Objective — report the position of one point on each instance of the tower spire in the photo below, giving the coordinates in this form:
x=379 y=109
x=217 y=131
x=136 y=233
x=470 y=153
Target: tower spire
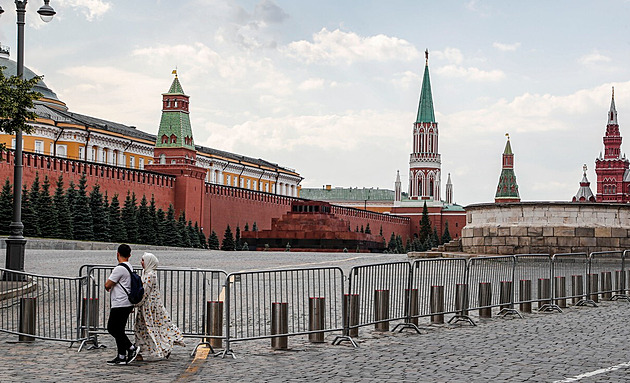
x=584 y=193
x=507 y=190
x=425 y=107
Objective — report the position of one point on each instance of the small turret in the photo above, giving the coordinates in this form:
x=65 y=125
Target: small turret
x=507 y=190
x=584 y=193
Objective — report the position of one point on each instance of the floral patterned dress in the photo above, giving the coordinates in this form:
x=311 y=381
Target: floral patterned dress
x=155 y=333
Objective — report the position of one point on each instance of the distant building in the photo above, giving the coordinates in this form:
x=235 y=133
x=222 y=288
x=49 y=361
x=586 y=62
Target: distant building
x=584 y=193
x=613 y=176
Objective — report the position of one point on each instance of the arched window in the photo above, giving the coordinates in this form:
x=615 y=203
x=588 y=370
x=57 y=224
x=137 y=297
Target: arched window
x=431 y=187
x=173 y=139
x=165 y=139
x=162 y=158
x=419 y=186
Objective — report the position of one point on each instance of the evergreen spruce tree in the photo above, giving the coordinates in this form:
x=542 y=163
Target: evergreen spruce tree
x=194 y=235
x=237 y=240
x=435 y=239
x=202 y=237
x=173 y=236
x=71 y=197
x=213 y=241
x=116 y=230
x=6 y=207
x=33 y=197
x=100 y=215
x=183 y=231
x=130 y=218
x=62 y=210
x=83 y=229
x=362 y=229
x=254 y=227
x=28 y=216
x=160 y=237
x=228 y=240
x=391 y=247
x=154 y=221
x=357 y=229
x=246 y=228
x=381 y=231
x=400 y=248
x=146 y=233
x=367 y=229
x=446 y=236
x=48 y=222
x=425 y=224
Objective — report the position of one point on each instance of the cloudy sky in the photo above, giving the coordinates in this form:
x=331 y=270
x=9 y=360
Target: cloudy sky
x=331 y=87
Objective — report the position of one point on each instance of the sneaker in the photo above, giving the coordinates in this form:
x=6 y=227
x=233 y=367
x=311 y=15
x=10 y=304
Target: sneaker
x=132 y=354
x=117 y=360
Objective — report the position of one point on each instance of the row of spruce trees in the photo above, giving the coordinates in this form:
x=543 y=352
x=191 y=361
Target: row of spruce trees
x=73 y=213
x=425 y=240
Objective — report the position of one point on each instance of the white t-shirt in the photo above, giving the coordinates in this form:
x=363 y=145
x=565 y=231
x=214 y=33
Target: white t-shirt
x=118 y=296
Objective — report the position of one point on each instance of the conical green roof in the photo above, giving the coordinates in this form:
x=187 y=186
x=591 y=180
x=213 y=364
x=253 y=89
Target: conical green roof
x=508 y=148
x=507 y=187
x=176 y=87
x=425 y=109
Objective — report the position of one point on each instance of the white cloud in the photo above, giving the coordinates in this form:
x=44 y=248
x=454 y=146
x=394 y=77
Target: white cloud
x=470 y=74
x=90 y=8
x=506 y=47
x=312 y=84
x=406 y=79
x=348 y=47
x=451 y=55
x=594 y=58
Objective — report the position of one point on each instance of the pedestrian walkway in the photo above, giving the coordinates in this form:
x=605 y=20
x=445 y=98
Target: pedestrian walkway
x=582 y=344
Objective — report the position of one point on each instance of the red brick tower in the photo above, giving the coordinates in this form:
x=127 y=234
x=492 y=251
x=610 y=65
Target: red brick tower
x=175 y=154
x=507 y=190
x=612 y=169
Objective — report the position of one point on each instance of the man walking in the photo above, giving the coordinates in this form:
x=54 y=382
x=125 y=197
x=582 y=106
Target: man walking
x=118 y=284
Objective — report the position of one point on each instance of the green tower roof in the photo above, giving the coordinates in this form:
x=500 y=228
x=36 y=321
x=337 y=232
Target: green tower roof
x=507 y=187
x=425 y=109
x=508 y=147
x=176 y=87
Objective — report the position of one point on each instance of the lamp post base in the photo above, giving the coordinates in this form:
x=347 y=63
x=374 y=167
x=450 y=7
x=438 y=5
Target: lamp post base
x=15 y=259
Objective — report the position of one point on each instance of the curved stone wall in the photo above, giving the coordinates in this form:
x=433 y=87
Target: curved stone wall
x=545 y=227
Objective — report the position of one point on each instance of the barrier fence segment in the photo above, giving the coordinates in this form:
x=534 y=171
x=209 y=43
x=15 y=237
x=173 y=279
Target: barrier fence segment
x=37 y=306
x=609 y=266
x=250 y=297
x=185 y=293
x=370 y=283
x=427 y=274
x=573 y=268
x=534 y=282
x=487 y=277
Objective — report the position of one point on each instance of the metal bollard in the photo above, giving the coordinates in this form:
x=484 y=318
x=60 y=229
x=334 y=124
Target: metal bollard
x=485 y=299
x=593 y=285
x=437 y=304
x=525 y=295
x=214 y=323
x=544 y=292
x=561 y=291
x=577 y=288
x=606 y=285
x=316 y=316
x=28 y=316
x=412 y=305
x=461 y=299
x=351 y=305
x=280 y=325
x=620 y=282
x=381 y=310
x=93 y=314
x=505 y=294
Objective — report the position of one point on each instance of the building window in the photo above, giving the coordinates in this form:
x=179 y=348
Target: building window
x=173 y=139
x=141 y=163
x=39 y=147
x=82 y=152
x=114 y=158
x=165 y=139
x=229 y=180
x=93 y=156
x=132 y=162
x=62 y=151
x=163 y=158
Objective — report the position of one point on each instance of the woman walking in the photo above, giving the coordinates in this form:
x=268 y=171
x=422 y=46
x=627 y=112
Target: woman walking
x=155 y=333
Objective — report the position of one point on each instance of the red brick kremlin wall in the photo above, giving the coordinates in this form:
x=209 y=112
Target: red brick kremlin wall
x=214 y=206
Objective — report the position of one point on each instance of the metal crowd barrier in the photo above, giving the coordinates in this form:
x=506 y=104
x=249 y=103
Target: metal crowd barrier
x=185 y=293
x=36 y=306
x=491 y=283
x=276 y=304
x=574 y=269
x=533 y=282
x=607 y=266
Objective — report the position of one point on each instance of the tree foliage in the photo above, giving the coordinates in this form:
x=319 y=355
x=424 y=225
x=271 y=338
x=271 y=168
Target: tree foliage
x=16 y=104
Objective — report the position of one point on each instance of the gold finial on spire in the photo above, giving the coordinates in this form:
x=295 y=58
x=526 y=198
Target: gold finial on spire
x=174 y=72
x=426 y=55
x=507 y=135
x=584 y=168
x=613 y=93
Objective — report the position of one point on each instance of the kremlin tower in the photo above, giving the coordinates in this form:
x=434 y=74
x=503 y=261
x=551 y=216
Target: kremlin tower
x=507 y=190
x=584 y=193
x=613 y=177
x=425 y=162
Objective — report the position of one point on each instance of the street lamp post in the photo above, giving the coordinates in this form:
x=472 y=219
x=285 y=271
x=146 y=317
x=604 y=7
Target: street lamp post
x=16 y=242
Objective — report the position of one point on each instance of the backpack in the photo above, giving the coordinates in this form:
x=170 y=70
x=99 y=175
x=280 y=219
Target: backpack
x=137 y=290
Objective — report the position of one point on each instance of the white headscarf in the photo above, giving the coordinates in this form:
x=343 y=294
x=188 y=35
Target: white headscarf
x=150 y=262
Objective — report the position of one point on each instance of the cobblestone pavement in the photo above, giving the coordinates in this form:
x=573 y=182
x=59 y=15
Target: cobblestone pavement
x=539 y=348
x=581 y=344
